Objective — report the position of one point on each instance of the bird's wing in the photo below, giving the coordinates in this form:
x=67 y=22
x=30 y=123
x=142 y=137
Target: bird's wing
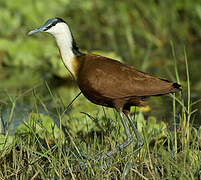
x=113 y=79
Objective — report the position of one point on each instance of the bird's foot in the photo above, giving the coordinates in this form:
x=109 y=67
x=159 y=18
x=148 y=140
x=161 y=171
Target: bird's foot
x=105 y=160
x=139 y=144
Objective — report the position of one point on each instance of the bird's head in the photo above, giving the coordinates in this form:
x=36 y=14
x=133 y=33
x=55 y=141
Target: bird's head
x=53 y=26
x=64 y=39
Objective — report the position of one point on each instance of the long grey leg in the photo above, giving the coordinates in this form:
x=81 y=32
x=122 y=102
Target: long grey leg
x=126 y=142
x=2 y=125
x=139 y=144
x=140 y=141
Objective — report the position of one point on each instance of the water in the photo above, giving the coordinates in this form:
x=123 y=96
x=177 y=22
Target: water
x=24 y=91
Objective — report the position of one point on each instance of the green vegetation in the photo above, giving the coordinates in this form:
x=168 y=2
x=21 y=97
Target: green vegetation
x=51 y=140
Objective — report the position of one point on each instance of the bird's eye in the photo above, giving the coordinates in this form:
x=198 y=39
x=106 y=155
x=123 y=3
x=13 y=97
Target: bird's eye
x=54 y=23
x=51 y=25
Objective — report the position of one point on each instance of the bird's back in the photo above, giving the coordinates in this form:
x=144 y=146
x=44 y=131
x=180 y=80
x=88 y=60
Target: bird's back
x=110 y=78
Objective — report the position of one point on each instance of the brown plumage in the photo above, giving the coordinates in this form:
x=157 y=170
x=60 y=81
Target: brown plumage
x=105 y=81
x=110 y=83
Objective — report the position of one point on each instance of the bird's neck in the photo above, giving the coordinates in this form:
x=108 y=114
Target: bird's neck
x=69 y=52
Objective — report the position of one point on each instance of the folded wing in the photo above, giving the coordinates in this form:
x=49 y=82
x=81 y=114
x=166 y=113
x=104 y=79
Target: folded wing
x=113 y=79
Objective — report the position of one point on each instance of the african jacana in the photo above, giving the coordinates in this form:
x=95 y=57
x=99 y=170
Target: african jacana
x=105 y=81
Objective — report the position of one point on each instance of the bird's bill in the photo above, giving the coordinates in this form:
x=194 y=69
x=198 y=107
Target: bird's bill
x=37 y=30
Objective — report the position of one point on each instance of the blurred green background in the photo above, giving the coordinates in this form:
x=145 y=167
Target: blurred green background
x=35 y=90
x=146 y=34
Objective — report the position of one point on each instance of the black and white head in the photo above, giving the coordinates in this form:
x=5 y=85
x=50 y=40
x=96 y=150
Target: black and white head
x=65 y=41
x=53 y=26
x=60 y=30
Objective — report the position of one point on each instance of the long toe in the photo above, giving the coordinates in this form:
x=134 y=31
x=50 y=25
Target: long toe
x=140 y=143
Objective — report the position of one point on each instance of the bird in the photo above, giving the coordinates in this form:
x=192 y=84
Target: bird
x=107 y=82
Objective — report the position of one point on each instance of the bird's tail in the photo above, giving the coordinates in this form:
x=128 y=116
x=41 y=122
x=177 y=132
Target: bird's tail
x=176 y=87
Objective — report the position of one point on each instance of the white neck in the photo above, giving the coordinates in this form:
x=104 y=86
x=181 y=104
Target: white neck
x=66 y=52
x=64 y=40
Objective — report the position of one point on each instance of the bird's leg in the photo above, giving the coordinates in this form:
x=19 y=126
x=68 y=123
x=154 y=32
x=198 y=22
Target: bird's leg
x=128 y=140
x=2 y=124
x=139 y=144
x=120 y=147
x=140 y=141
